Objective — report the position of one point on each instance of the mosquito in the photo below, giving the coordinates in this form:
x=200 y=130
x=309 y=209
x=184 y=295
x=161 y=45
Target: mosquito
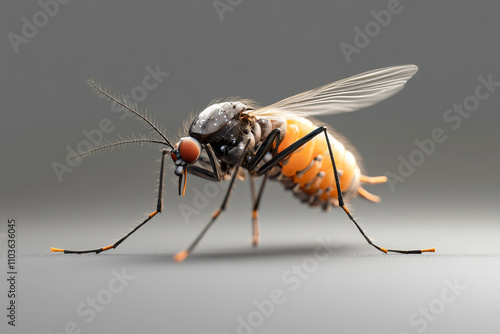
x=282 y=142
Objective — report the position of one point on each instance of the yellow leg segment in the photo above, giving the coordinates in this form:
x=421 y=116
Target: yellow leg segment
x=369 y=196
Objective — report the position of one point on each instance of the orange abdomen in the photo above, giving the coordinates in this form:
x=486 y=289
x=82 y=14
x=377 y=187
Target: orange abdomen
x=310 y=166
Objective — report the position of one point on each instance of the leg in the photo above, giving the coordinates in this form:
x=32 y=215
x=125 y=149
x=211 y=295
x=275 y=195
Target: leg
x=255 y=222
x=181 y=256
x=158 y=209
x=273 y=137
x=203 y=173
x=215 y=164
x=255 y=208
x=286 y=152
x=289 y=150
x=213 y=174
x=341 y=204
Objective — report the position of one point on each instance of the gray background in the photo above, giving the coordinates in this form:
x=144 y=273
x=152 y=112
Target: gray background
x=266 y=51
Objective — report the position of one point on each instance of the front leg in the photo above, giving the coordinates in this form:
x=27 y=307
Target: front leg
x=159 y=206
x=181 y=256
x=215 y=174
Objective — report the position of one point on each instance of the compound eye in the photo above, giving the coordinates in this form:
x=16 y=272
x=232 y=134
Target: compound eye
x=189 y=149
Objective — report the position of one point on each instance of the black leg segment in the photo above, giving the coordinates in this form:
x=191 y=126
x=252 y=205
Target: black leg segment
x=181 y=256
x=290 y=149
x=148 y=218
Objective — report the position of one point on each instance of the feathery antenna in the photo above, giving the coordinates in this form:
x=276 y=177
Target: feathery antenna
x=106 y=93
x=114 y=144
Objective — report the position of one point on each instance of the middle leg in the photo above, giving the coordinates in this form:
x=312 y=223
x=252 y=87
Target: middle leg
x=255 y=209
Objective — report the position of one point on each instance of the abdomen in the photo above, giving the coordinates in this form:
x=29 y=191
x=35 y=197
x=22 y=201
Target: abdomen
x=308 y=172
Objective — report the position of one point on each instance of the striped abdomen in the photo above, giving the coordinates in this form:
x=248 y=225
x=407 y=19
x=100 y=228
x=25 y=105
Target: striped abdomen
x=308 y=172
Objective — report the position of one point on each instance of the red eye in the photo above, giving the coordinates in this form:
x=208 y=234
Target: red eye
x=190 y=150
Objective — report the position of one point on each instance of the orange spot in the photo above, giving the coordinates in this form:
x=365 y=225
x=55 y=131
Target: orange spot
x=347 y=211
x=107 y=247
x=152 y=214
x=181 y=256
x=383 y=250
x=216 y=213
x=430 y=250
x=185 y=182
x=52 y=249
x=255 y=214
x=189 y=150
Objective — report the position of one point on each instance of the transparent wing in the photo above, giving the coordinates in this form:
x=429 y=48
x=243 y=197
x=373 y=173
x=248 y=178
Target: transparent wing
x=345 y=95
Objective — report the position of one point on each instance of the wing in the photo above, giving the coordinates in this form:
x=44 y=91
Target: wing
x=345 y=95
